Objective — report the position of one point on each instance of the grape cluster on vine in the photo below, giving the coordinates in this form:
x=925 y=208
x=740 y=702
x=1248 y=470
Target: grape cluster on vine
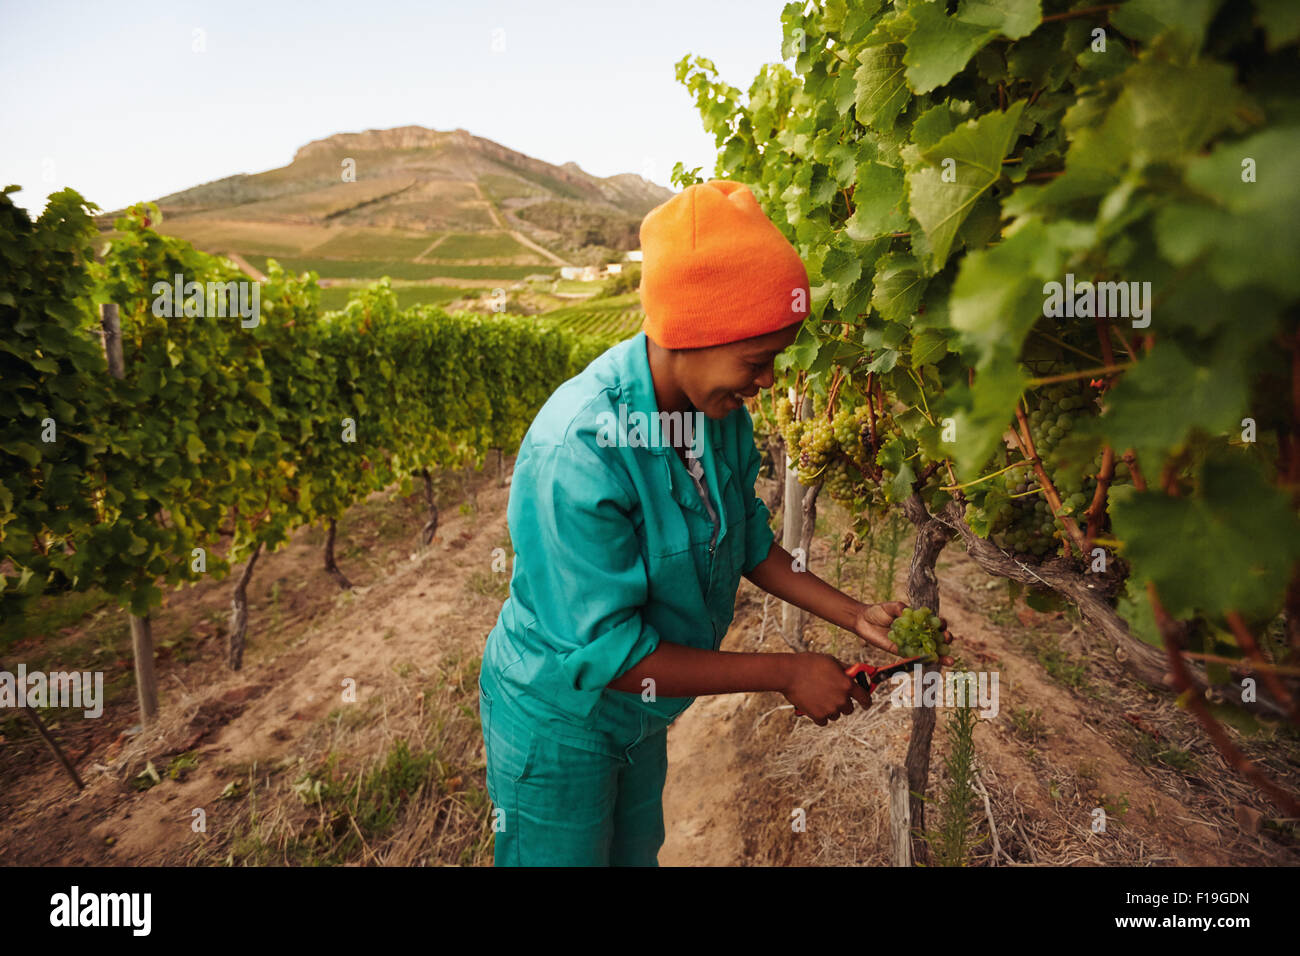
x=836 y=452
x=1022 y=521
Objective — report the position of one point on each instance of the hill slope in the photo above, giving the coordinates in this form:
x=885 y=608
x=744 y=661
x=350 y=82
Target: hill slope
x=415 y=195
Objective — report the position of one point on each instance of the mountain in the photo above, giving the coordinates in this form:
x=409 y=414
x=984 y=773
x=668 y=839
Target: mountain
x=417 y=196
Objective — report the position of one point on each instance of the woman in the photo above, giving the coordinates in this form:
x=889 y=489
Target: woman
x=628 y=556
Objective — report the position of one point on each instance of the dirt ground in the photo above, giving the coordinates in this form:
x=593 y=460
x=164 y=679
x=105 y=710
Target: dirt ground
x=748 y=783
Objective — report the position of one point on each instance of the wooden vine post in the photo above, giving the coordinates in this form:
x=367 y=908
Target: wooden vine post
x=239 y=613
x=796 y=532
x=431 y=526
x=141 y=630
x=331 y=566
x=900 y=818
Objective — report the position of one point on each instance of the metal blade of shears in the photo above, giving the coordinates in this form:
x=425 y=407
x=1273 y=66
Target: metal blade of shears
x=868 y=676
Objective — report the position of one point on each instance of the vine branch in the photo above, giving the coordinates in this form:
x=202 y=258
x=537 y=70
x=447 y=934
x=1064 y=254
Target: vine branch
x=1284 y=800
x=1026 y=442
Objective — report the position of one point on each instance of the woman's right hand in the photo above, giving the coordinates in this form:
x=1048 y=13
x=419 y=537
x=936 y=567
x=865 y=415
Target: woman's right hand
x=817 y=685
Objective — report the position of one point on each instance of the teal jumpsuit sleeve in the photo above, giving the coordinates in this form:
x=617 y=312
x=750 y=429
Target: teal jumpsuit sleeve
x=585 y=577
x=758 y=528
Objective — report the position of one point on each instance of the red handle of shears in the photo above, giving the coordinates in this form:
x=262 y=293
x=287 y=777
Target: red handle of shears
x=868 y=676
x=862 y=673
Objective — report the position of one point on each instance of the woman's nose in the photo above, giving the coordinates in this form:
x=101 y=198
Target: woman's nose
x=767 y=378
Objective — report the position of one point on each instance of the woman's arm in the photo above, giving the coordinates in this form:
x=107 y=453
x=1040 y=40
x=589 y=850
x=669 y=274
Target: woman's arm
x=815 y=683
x=775 y=574
x=681 y=671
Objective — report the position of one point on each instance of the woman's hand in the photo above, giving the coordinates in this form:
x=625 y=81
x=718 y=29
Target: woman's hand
x=817 y=685
x=874 y=620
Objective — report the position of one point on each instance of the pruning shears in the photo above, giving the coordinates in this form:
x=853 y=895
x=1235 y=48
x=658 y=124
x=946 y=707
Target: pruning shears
x=869 y=677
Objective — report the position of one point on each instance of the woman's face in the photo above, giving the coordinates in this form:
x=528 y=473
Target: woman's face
x=718 y=379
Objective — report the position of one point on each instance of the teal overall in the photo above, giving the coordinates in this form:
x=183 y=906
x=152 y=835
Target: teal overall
x=614 y=551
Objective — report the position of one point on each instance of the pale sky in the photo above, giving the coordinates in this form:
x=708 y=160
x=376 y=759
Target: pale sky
x=113 y=99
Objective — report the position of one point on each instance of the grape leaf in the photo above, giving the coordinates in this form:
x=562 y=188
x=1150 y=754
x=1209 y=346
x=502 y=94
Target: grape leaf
x=1155 y=406
x=934 y=124
x=983 y=419
x=940 y=46
x=929 y=347
x=1012 y=18
x=802 y=352
x=1280 y=20
x=1167 y=112
x=1135 y=608
x=899 y=286
x=998 y=294
x=976 y=149
x=1243 y=539
x=842 y=267
x=1248 y=231
x=881 y=92
x=1037 y=58
x=881 y=202
x=1144 y=20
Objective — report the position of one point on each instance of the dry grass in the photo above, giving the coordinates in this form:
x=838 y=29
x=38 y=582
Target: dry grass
x=398 y=784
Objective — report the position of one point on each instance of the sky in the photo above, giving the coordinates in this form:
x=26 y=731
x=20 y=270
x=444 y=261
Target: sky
x=128 y=101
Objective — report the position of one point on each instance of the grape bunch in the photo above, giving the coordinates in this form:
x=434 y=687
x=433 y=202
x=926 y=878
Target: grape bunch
x=835 y=451
x=1023 y=522
x=816 y=448
x=852 y=433
x=916 y=633
x=844 y=483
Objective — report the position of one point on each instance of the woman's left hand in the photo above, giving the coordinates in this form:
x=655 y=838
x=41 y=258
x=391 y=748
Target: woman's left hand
x=874 y=620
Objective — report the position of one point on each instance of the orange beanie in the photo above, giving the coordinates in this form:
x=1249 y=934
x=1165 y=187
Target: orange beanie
x=715 y=269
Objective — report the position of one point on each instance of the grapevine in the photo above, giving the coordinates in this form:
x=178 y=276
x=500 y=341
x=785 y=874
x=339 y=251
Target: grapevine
x=945 y=172
x=218 y=430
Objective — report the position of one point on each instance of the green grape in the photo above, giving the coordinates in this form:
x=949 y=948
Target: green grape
x=916 y=633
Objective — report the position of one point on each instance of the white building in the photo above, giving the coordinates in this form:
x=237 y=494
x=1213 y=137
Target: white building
x=580 y=273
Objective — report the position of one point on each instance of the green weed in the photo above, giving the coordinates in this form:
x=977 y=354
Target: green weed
x=950 y=842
